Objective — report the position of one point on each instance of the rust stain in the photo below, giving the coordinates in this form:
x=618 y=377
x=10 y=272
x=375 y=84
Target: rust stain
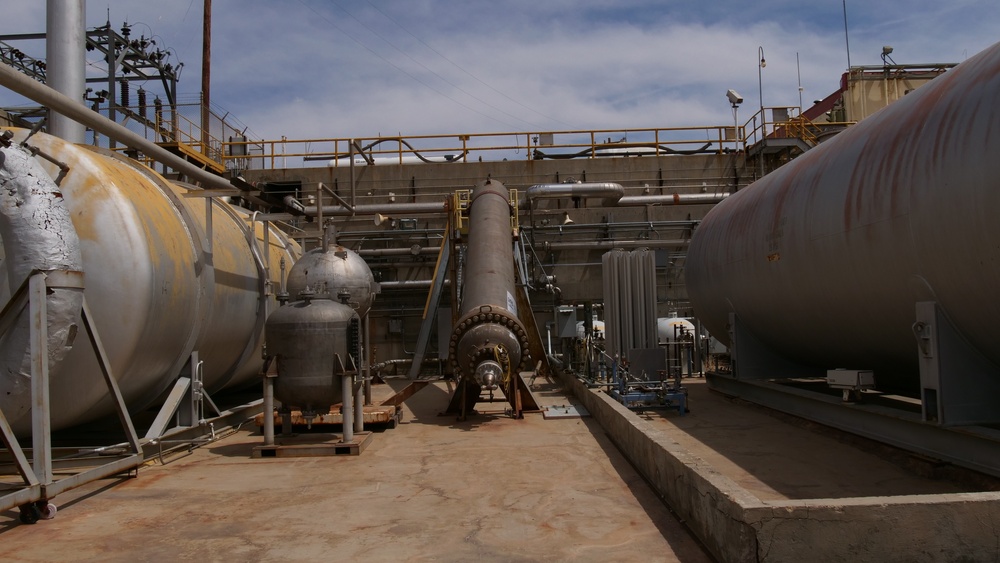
x=144 y=482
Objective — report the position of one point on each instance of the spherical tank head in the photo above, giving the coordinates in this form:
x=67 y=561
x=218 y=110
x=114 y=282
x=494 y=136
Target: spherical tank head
x=670 y=328
x=336 y=272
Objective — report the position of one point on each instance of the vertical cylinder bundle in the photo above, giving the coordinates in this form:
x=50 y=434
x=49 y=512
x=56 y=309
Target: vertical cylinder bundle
x=629 y=300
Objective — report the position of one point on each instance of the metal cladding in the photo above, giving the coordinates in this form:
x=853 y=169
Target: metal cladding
x=824 y=260
x=307 y=337
x=488 y=330
x=33 y=213
x=158 y=287
x=629 y=300
x=336 y=273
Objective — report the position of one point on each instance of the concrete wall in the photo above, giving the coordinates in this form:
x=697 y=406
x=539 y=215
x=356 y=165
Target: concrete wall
x=735 y=526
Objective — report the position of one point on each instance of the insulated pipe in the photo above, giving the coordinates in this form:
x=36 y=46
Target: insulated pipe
x=46 y=96
x=36 y=224
x=65 y=41
x=672 y=199
x=488 y=331
x=608 y=190
x=615 y=193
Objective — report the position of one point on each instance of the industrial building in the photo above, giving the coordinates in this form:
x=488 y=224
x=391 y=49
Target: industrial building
x=829 y=264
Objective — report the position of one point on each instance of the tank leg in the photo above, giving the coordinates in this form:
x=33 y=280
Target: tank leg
x=462 y=413
x=286 y=422
x=269 y=411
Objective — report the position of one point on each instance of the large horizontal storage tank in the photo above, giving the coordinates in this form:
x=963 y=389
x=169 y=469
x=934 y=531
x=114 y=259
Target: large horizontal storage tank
x=159 y=287
x=824 y=260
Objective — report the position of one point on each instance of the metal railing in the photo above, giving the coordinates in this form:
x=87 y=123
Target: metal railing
x=785 y=122
x=479 y=147
x=227 y=145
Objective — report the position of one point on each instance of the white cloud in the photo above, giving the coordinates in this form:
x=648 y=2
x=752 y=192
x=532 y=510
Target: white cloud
x=310 y=68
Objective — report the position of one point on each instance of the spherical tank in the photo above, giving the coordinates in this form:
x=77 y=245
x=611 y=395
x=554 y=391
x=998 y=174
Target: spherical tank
x=304 y=336
x=158 y=287
x=334 y=273
x=824 y=259
x=670 y=329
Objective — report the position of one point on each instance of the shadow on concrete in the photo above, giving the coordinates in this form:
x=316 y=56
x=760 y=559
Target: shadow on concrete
x=62 y=502
x=427 y=406
x=776 y=456
x=663 y=517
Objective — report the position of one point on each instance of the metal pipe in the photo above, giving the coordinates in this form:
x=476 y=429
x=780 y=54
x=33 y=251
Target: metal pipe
x=672 y=199
x=46 y=96
x=608 y=190
x=409 y=284
x=608 y=244
x=412 y=251
x=617 y=225
x=65 y=41
x=393 y=209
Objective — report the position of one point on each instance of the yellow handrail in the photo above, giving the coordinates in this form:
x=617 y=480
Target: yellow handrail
x=466 y=147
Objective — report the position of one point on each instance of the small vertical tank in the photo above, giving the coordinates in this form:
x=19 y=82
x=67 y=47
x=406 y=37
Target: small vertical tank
x=314 y=340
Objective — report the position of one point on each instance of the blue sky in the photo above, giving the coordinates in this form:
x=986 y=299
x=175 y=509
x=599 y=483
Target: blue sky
x=324 y=68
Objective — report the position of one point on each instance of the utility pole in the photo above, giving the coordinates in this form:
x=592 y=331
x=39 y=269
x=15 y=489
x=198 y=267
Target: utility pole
x=206 y=75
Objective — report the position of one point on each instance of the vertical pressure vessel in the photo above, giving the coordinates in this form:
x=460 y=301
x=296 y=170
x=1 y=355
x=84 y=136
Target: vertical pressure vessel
x=489 y=333
x=824 y=259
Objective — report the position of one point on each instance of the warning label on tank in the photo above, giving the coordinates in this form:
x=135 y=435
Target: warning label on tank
x=511 y=304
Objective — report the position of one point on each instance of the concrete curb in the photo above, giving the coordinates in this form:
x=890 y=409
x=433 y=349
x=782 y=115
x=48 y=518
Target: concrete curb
x=736 y=526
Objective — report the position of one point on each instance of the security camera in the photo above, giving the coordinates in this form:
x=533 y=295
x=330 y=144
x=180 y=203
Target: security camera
x=734 y=98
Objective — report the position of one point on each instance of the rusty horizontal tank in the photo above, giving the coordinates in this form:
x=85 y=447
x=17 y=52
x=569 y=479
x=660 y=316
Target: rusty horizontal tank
x=159 y=287
x=824 y=260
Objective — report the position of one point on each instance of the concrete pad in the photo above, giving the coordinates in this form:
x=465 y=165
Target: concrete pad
x=488 y=489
